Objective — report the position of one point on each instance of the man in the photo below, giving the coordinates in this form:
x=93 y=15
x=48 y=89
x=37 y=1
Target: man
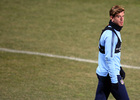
x=109 y=71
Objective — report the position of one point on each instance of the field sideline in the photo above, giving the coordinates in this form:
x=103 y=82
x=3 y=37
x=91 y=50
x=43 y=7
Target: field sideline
x=60 y=56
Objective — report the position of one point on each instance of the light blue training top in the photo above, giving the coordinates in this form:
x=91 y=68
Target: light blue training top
x=109 y=63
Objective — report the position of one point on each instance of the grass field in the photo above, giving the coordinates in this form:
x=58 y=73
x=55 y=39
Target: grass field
x=62 y=27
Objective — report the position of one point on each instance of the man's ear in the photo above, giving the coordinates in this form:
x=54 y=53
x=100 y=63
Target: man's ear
x=111 y=18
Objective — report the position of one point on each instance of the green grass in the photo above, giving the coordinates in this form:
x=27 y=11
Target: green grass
x=62 y=27
x=27 y=77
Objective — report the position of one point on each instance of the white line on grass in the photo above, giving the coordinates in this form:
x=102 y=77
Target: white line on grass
x=58 y=56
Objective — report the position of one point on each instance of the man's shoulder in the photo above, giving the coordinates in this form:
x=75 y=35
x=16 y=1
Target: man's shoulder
x=107 y=33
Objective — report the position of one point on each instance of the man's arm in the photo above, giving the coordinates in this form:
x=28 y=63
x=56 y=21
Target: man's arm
x=109 y=55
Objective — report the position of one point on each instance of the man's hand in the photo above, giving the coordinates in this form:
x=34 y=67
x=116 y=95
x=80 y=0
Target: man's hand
x=122 y=73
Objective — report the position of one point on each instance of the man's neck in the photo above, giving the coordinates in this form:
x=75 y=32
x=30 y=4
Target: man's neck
x=115 y=26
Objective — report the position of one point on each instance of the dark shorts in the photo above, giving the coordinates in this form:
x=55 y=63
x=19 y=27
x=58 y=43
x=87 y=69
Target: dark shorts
x=104 y=89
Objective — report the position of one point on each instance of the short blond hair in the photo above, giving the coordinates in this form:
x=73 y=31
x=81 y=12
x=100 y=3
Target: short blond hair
x=115 y=10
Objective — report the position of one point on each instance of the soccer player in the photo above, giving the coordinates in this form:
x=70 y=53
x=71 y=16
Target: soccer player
x=109 y=71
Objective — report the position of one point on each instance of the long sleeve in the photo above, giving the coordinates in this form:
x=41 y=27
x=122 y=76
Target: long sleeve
x=109 y=55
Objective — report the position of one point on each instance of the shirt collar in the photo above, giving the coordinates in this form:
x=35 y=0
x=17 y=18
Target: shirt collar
x=115 y=26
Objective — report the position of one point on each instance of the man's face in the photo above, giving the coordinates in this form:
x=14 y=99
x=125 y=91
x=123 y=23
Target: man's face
x=118 y=19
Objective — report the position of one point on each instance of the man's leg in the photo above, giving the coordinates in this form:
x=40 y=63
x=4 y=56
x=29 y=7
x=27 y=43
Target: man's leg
x=103 y=89
x=121 y=93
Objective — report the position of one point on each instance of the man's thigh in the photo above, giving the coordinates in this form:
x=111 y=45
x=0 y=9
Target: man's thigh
x=103 y=88
x=121 y=93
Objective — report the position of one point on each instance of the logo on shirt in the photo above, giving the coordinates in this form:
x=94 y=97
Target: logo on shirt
x=118 y=49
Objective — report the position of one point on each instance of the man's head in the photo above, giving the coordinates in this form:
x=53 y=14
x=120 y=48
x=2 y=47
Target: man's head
x=117 y=15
